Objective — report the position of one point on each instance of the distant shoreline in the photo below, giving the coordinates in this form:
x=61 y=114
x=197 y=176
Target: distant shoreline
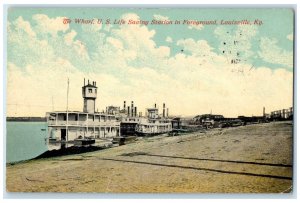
x=26 y=119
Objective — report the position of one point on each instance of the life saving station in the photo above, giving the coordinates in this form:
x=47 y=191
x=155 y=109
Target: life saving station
x=68 y=126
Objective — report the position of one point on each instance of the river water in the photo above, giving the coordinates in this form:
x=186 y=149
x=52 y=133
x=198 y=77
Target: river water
x=25 y=140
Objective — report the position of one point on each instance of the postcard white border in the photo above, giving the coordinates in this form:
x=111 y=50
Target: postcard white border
x=156 y=4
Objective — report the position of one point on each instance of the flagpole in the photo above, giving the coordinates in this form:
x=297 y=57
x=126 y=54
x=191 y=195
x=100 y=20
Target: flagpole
x=67 y=131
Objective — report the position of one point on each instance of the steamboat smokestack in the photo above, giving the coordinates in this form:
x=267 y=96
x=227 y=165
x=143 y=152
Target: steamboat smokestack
x=132 y=109
x=164 y=113
x=135 y=109
x=128 y=110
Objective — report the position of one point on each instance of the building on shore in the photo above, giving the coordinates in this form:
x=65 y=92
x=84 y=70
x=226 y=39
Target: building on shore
x=283 y=114
x=65 y=126
x=207 y=118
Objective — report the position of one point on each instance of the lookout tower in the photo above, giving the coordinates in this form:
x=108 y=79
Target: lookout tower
x=89 y=94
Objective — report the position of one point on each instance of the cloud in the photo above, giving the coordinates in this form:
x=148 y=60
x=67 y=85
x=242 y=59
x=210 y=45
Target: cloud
x=77 y=45
x=69 y=37
x=128 y=65
x=50 y=25
x=95 y=27
x=130 y=16
x=27 y=49
x=290 y=37
x=194 y=26
x=23 y=46
x=272 y=53
x=236 y=44
x=169 y=39
x=39 y=85
x=160 y=17
x=22 y=25
x=199 y=48
x=215 y=86
x=139 y=40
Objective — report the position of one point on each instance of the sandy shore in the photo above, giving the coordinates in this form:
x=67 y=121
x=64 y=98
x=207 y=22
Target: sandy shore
x=248 y=159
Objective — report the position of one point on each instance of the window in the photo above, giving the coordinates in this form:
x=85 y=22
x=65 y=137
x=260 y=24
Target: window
x=65 y=117
x=76 y=117
x=90 y=90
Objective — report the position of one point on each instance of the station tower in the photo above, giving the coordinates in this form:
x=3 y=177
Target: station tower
x=89 y=94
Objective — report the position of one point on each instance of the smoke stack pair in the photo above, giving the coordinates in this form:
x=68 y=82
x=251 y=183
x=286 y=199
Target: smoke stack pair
x=94 y=82
x=132 y=109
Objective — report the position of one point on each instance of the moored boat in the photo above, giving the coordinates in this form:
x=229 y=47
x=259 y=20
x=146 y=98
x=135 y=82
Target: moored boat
x=154 y=124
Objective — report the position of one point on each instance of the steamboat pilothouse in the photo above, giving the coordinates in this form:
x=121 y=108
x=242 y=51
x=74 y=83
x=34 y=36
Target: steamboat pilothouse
x=153 y=124
x=69 y=126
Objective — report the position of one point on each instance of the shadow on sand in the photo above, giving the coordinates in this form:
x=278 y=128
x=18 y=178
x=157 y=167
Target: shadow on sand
x=201 y=168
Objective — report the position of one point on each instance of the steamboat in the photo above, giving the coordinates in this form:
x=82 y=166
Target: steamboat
x=85 y=126
x=153 y=124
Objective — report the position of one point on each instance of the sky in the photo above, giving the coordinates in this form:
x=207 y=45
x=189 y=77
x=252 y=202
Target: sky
x=195 y=69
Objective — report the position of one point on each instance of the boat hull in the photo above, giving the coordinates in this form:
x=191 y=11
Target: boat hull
x=143 y=134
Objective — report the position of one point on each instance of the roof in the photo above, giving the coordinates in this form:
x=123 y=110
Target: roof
x=89 y=85
x=208 y=115
x=79 y=112
x=152 y=109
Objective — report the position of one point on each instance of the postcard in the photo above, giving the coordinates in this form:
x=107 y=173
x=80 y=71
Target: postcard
x=149 y=100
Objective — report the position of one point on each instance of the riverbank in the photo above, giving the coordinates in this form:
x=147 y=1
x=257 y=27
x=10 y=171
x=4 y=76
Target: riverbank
x=247 y=159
